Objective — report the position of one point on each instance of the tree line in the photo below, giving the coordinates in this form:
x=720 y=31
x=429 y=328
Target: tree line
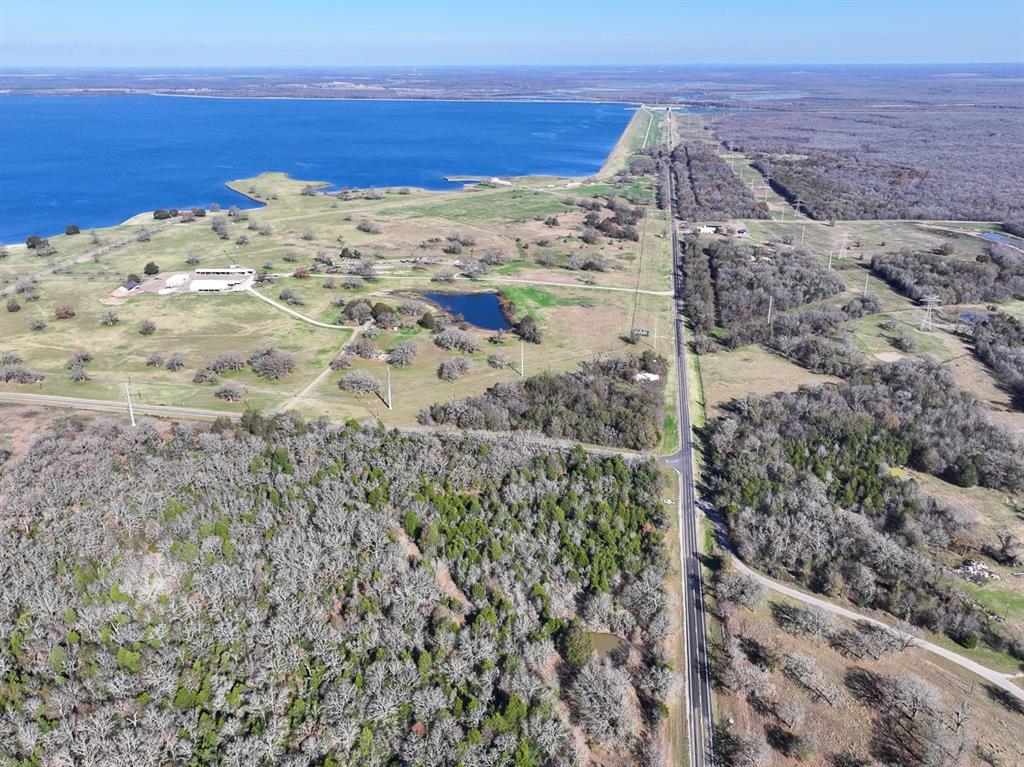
x=707 y=189
x=999 y=343
x=996 y=275
x=600 y=404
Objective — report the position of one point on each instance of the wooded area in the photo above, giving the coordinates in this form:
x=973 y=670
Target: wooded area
x=707 y=189
x=997 y=275
x=314 y=594
x=599 y=404
x=924 y=162
x=809 y=487
x=999 y=343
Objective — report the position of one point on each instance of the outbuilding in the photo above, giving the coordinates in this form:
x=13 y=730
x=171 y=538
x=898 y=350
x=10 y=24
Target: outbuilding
x=645 y=376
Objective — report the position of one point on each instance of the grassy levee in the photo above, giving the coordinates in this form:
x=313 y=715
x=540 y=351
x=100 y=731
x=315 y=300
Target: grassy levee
x=636 y=136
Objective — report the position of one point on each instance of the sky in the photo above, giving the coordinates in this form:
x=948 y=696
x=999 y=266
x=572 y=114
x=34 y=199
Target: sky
x=290 y=33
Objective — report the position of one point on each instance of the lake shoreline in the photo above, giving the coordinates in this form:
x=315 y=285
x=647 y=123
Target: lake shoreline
x=349 y=142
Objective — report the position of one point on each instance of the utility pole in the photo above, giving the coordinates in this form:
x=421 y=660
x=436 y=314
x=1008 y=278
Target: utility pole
x=131 y=410
x=655 y=332
x=930 y=302
x=866 y=284
x=830 y=259
x=802 y=230
x=389 y=387
x=771 y=303
x=522 y=359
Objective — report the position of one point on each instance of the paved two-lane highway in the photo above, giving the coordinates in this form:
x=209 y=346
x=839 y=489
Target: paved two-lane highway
x=699 y=718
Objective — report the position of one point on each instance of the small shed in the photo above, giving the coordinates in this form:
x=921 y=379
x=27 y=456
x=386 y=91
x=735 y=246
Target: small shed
x=645 y=376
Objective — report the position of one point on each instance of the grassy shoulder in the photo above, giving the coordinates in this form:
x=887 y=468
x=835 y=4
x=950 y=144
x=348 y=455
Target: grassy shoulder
x=677 y=704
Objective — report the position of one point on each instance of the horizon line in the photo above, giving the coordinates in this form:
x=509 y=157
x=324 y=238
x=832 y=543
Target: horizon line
x=289 y=67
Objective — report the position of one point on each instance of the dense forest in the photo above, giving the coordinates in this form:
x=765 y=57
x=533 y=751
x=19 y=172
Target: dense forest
x=832 y=187
x=730 y=285
x=746 y=278
x=996 y=275
x=311 y=594
x=697 y=286
x=806 y=483
x=925 y=162
x=707 y=189
x=599 y=404
x=999 y=343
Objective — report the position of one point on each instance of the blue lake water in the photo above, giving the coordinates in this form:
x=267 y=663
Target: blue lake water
x=480 y=309
x=95 y=161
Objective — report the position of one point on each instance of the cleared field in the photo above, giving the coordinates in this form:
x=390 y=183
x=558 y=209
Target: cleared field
x=197 y=327
x=994 y=513
x=749 y=370
x=859 y=240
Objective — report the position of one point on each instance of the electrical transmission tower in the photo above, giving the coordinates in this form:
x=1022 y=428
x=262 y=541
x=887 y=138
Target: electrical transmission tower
x=930 y=302
x=842 y=246
x=131 y=409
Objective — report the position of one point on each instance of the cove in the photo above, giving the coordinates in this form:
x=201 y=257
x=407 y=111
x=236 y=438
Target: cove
x=96 y=161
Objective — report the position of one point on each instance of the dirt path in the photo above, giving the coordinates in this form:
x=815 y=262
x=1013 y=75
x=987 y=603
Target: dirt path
x=289 y=404
x=112 y=406
x=292 y=312
x=1001 y=680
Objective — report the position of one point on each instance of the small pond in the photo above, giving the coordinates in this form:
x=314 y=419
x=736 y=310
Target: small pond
x=605 y=643
x=480 y=309
x=1001 y=238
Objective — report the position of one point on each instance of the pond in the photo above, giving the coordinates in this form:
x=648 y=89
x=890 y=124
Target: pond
x=605 y=643
x=1003 y=239
x=480 y=309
